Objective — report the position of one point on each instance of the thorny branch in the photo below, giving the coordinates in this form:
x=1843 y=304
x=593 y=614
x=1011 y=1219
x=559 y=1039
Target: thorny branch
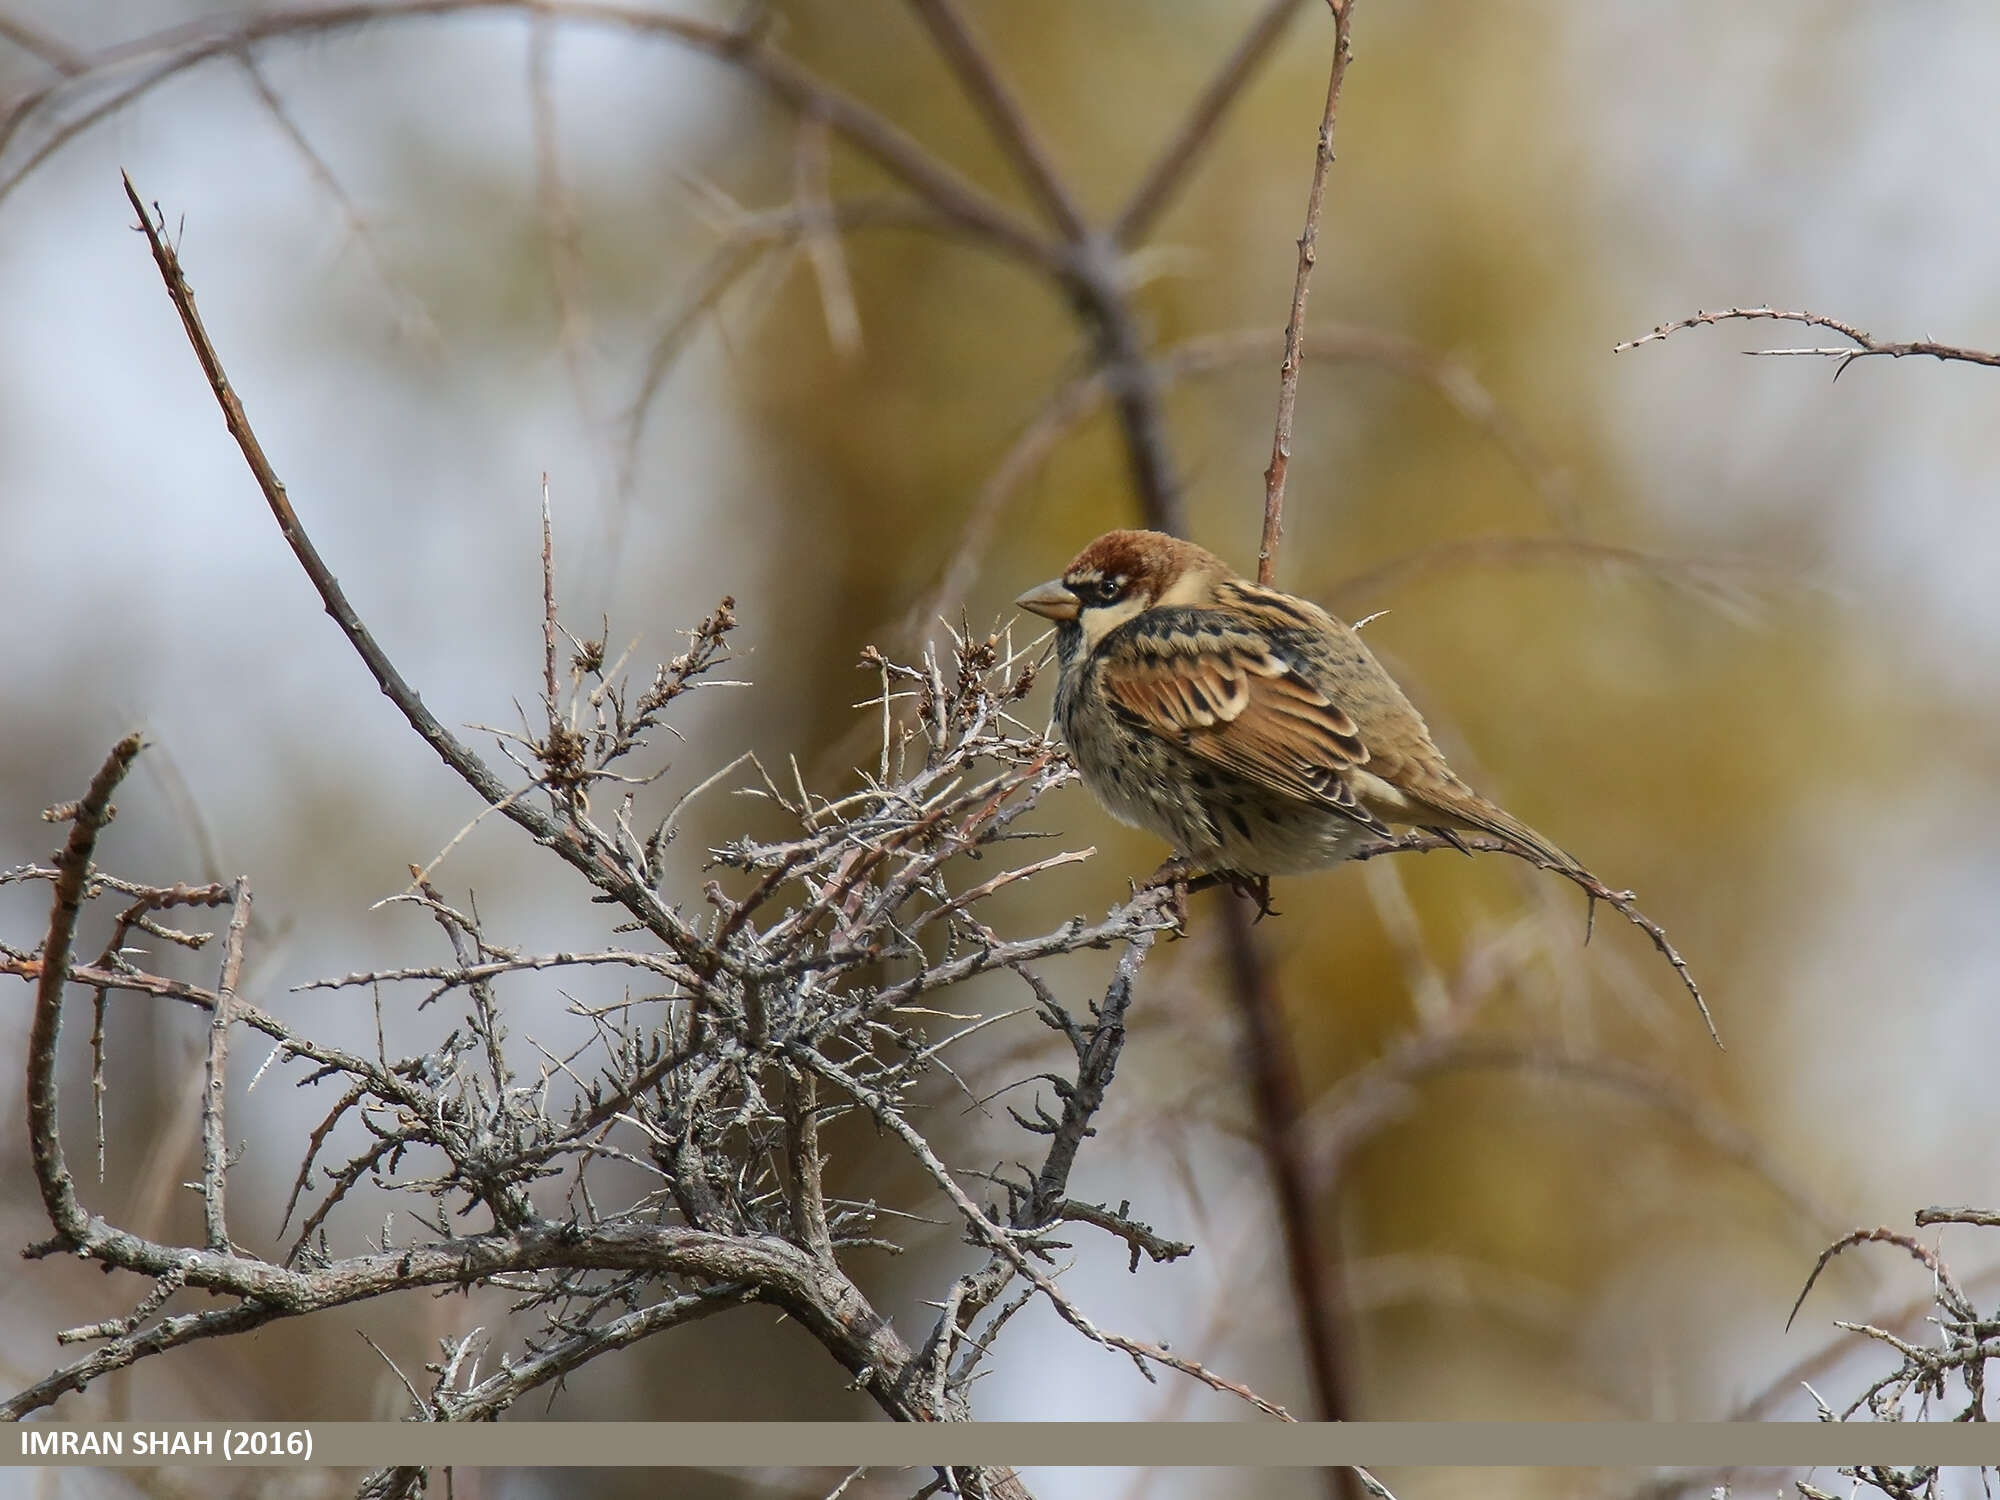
x=825 y=964
x=1949 y=1368
x=822 y=967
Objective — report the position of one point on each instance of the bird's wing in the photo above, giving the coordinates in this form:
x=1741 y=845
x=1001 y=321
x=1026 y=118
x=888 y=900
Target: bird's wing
x=1402 y=760
x=1214 y=683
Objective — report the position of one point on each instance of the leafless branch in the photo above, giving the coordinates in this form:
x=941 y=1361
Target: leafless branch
x=30 y=38
x=718 y=1097
x=811 y=191
x=1958 y=1356
x=1760 y=1407
x=620 y=883
x=1277 y=1093
x=974 y=66
x=1175 y=163
x=174 y=49
x=561 y=238
x=412 y=317
x=1206 y=355
x=1950 y=1295
x=1985 y=1218
x=1621 y=902
x=798 y=990
x=214 y=1137
x=1376 y=1095
x=708 y=1086
x=87 y=819
x=1864 y=344
x=1736 y=588
x=1295 y=325
x=1278 y=1098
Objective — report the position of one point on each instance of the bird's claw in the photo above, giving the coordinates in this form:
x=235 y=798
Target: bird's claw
x=1258 y=889
x=1178 y=878
x=1172 y=876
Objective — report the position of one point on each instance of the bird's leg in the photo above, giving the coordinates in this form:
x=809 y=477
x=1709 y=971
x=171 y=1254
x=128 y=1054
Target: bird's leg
x=1175 y=874
x=1178 y=874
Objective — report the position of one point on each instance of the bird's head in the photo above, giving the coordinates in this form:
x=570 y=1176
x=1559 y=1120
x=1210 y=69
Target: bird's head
x=1119 y=575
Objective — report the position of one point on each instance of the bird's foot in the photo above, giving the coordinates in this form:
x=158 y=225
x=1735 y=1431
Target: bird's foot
x=1258 y=889
x=1174 y=876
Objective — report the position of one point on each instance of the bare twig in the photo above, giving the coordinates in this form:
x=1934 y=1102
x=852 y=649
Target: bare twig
x=1295 y=326
x=977 y=72
x=214 y=1138
x=175 y=49
x=1371 y=1098
x=743 y=243
x=1277 y=1092
x=1621 y=902
x=1915 y=1249
x=454 y=754
x=1139 y=1237
x=602 y=871
x=412 y=317
x=1210 y=354
x=1278 y=1097
x=1733 y=587
x=1175 y=163
x=771 y=988
x=87 y=820
x=549 y=626
x=30 y=38
x=1759 y=1407
x=1865 y=344
x=561 y=239
x=820 y=226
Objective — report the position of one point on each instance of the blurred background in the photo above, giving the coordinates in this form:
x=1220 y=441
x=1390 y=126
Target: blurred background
x=1722 y=626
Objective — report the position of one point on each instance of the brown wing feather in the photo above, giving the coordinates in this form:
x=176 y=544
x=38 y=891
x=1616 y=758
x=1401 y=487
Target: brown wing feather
x=1209 y=677
x=1401 y=752
x=1228 y=698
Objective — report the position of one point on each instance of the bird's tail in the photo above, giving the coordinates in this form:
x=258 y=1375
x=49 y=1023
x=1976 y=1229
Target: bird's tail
x=1465 y=808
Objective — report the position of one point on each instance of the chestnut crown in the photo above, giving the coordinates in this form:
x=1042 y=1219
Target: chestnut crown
x=1137 y=564
x=1123 y=572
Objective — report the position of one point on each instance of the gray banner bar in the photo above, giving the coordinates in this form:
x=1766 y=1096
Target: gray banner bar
x=1060 y=1444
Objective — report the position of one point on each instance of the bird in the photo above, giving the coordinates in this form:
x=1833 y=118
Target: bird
x=1246 y=726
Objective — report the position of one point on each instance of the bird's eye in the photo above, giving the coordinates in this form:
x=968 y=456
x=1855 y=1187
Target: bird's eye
x=1108 y=589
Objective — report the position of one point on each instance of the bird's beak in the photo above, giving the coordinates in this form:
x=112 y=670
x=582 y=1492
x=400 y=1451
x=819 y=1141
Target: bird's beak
x=1051 y=601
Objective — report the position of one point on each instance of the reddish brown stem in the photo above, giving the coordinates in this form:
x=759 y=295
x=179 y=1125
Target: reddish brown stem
x=1279 y=1100
x=1295 y=328
x=1279 y=1095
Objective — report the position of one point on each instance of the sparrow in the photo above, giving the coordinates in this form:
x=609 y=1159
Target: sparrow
x=1248 y=727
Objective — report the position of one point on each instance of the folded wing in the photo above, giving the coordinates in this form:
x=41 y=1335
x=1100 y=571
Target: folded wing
x=1220 y=690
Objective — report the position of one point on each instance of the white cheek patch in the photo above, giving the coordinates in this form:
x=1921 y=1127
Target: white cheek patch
x=1193 y=587
x=1100 y=620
